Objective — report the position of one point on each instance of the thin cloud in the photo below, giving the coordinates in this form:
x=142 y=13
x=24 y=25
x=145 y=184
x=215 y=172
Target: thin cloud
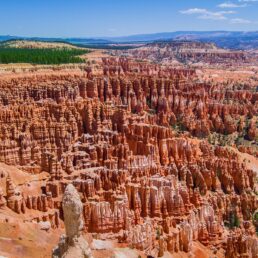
x=194 y=11
x=212 y=17
x=247 y=1
x=206 y=14
x=240 y=21
x=231 y=5
x=227 y=12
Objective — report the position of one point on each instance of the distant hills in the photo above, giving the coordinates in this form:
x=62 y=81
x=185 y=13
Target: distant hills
x=224 y=39
x=69 y=40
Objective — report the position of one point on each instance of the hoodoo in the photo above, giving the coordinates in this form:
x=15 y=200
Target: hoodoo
x=134 y=149
x=72 y=244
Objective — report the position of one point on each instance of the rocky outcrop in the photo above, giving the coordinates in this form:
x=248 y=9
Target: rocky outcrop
x=72 y=244
x=2 y=199
x=187 y=52
x=124 y=141
x=241 y=245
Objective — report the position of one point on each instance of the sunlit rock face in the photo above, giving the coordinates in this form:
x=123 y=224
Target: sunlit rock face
x=123 y=161
x=72 y=244
x=194 y=53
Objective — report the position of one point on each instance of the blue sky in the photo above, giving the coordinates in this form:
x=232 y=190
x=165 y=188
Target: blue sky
x=89 y=18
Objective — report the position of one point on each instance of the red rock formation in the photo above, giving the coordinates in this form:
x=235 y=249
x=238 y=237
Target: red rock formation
x=112 y=137
x=188 y=52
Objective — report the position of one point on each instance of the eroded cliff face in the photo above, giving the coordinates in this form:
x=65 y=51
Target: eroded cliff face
x=194 y=53
x=140 y=181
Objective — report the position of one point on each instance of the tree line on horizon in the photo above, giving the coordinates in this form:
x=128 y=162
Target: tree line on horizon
x=41 y=56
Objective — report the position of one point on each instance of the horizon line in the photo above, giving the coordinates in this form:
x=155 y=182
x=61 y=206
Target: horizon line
x=128 y=35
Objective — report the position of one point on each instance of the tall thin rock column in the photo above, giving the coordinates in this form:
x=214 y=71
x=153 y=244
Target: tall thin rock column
x=73 y=243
